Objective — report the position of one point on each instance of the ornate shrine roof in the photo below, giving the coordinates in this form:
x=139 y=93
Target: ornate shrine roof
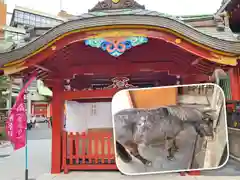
x=129 y=12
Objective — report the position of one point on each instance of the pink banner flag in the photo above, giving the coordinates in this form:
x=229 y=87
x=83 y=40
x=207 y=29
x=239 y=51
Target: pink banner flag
x=16 y=124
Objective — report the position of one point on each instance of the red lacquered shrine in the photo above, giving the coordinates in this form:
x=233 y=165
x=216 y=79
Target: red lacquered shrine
x=119 y=43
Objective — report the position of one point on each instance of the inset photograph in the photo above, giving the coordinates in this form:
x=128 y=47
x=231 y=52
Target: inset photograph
x=170 y=129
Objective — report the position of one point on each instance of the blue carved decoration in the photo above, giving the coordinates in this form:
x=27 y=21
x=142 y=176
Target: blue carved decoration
x=116 y=47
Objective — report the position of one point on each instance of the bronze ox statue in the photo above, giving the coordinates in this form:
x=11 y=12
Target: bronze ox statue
x=146 y=126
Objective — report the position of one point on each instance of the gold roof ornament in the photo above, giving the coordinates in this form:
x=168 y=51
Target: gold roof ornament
x=115 y=1
x=116 y=4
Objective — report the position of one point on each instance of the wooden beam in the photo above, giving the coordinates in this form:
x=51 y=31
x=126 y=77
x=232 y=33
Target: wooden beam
x=197 y=61
x=90 y=94
x=42 y=68
x=121 y=69
x=203 y=70
x=193 y=79
x=43 y=75
x=53 y=82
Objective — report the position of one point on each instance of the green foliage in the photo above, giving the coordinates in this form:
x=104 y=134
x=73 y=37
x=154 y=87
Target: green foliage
x=3 y=134
x=4 y=86
x=4 y=81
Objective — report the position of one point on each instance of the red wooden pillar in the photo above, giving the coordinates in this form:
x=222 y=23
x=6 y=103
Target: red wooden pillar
x=57 y=126
x=235 y=83
x=50 y=109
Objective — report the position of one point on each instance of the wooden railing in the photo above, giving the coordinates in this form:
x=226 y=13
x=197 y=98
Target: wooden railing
x=92 y=151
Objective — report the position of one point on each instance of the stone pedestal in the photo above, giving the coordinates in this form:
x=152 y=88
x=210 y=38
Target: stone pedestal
x=234 y=143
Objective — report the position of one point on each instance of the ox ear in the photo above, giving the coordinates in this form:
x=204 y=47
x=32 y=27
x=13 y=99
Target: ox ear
x=165 y=111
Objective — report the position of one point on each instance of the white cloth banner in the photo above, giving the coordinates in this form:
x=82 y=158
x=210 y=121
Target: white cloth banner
x=83 y=116
x=121 y=101
x=75 y=117
x=99 y=115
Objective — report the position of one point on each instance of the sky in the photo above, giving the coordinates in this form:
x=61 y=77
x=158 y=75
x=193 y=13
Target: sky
x=76 y=7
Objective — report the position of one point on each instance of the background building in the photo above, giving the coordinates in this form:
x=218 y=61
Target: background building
x=25 y=25
x=3 y=12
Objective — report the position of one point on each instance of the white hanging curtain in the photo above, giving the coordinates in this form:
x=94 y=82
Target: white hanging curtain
x=76 y=120
x=83 y=116
x=99 y=115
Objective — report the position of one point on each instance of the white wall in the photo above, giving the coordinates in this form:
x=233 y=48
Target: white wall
x=81 y=116
x=75 y=117
x=102 y=116
x=120 y=101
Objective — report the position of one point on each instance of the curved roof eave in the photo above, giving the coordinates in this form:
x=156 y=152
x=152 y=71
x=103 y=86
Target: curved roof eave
x=223 y=6
x=162 y=21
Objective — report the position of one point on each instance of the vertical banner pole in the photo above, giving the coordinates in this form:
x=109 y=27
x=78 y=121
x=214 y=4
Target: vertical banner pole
x=26 y=158
x=26 y=146
x=16 y=124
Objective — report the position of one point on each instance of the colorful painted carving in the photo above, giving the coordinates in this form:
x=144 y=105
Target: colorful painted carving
x=120 y=83
x=116 y=47
x=117 y=83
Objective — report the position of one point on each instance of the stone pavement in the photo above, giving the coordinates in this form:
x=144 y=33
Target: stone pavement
x=42 y=132
x=232 y=168
x=39 y=145
x=119 y=176
x=39 y=157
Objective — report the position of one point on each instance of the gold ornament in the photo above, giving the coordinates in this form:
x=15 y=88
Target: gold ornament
x=115 y=1
x=53 y=48
x=178 y=41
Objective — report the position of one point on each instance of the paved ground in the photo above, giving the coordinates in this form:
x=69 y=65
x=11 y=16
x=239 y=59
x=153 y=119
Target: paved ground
x=118 y=176
x=39 y=155
x=43 y=132
x=39 y=146
x=231 y=169
x=107 y=175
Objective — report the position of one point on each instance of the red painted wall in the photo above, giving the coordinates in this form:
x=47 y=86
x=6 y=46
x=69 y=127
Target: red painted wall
x=39 y=109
